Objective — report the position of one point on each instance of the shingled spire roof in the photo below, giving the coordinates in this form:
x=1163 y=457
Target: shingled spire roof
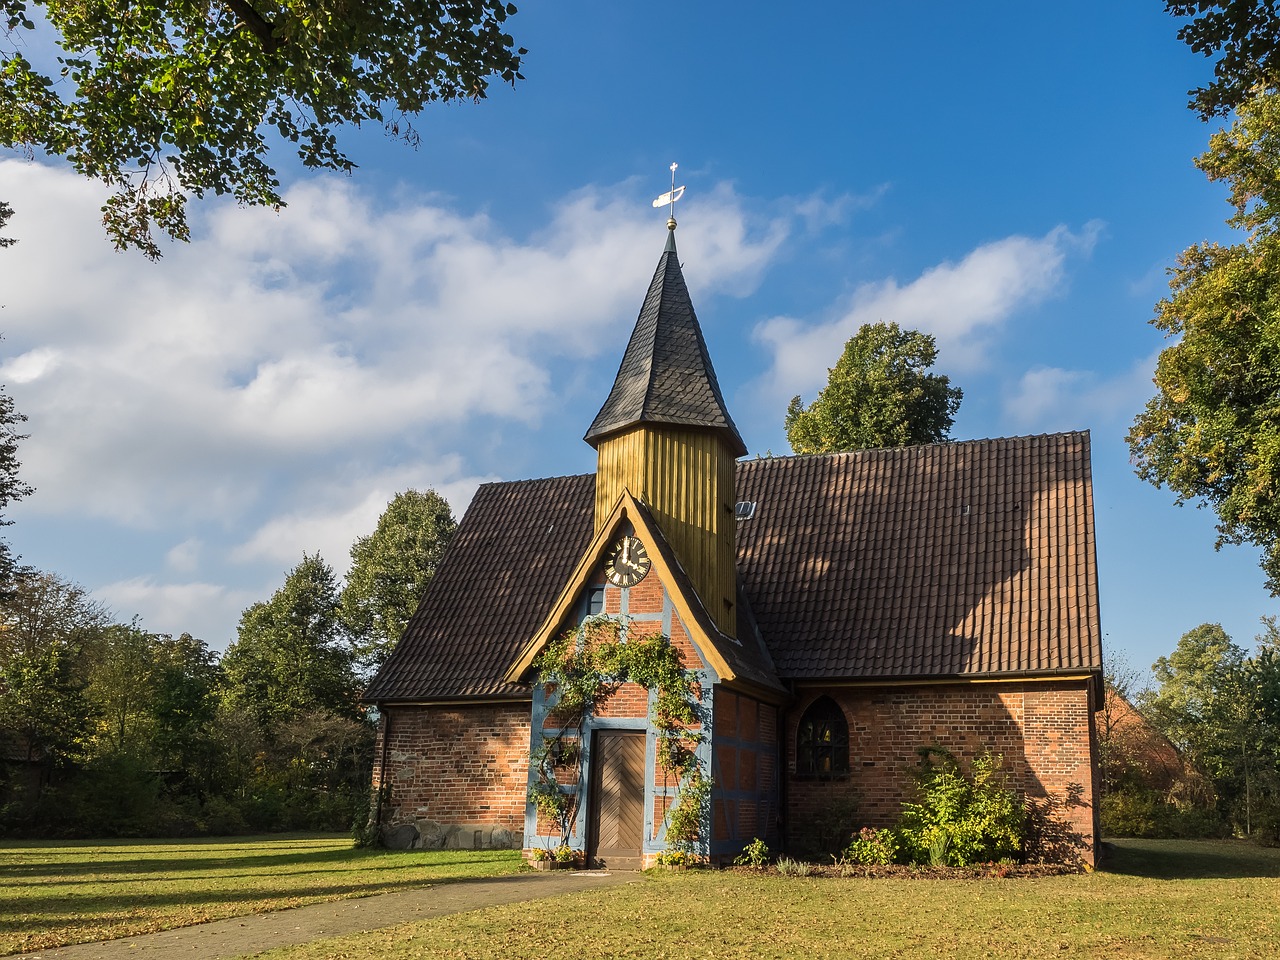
x=666 y=374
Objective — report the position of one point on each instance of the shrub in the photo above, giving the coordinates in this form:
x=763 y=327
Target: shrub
x=754 y=854
x=874 y=847
x=962 y=820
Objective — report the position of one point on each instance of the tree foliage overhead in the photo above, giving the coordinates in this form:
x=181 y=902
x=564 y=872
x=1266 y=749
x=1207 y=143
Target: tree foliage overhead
x=162 y=99
x=879 y=394
x=391 y=568
x=1245 y=36
x=1212 y=432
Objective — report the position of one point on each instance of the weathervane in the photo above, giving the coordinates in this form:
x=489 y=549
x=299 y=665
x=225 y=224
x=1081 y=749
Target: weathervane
x=669 y=199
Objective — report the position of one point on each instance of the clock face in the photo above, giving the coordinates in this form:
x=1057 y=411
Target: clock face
x=628 y=563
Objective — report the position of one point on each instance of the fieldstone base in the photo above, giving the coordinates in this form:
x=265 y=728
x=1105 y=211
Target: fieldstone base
x=430 y=835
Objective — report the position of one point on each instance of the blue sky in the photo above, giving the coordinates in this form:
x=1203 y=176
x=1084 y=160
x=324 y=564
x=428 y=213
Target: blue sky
x=1013 y=178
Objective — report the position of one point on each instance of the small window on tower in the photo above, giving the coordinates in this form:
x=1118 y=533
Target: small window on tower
x=595 y=601
x=744 y=509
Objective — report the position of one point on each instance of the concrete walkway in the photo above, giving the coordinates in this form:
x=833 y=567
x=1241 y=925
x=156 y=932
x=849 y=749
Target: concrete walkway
x=239 y=936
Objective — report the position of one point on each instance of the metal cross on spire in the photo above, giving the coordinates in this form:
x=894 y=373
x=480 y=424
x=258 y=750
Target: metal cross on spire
x=669 y=199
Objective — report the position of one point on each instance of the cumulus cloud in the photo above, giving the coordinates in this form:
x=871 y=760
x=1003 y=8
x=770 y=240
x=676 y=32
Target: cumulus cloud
x=207 y=611
x=961 y=303
x=1046 y=399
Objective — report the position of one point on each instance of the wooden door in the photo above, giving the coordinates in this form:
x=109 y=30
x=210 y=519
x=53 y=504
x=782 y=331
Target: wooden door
x=616 y=828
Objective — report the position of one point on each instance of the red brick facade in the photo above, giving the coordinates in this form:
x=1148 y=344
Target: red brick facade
x=456 y=776
x=1044 y=730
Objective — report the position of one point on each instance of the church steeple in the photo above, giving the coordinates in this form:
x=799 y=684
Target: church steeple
x=665 y=435
x=666 y=375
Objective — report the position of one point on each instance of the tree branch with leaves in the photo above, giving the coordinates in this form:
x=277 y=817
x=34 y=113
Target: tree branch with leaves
x=163 y=100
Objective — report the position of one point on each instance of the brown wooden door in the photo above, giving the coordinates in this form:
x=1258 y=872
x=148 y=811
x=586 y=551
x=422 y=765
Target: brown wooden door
x=616 y=828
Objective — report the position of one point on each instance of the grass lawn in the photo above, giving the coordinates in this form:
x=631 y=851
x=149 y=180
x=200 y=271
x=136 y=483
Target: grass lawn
x=1155 y=899
x=52 y=894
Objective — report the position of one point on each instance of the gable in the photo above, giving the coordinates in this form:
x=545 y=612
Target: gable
x=733 y=659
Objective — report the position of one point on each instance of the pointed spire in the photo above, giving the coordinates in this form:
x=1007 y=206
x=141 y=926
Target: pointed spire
x=666 y=375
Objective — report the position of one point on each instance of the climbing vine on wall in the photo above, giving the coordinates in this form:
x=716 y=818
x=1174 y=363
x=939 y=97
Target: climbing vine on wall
x=582 y=669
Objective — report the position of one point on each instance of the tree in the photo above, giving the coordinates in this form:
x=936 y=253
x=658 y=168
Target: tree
x=185 y=703
x=877 y=395
x=11 y=487
x=161 y=100
x=48 y=629
x=1246 y=33
x=1210 y=703
x=1212 y=432
x=291 y=655
x=6 y=212
x=391 y=568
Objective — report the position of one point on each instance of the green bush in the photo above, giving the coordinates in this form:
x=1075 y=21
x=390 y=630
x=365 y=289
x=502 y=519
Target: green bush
x=754 y=854
x=961 y=820
x=874 y=847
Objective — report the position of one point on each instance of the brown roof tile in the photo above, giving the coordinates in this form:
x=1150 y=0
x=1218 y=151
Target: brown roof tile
x=514 y=548
x=960 y=559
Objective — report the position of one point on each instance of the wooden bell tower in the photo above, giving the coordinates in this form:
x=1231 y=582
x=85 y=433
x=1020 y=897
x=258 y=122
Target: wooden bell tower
x=665 y=435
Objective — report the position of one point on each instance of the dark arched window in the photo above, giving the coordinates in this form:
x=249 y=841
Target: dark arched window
x=822 y=742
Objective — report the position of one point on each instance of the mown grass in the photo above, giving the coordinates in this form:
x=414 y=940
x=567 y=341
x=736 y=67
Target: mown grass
x=1154 y=900
x=54 y=894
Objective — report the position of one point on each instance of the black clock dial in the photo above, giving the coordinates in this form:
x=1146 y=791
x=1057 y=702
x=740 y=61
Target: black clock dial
x=628 y=563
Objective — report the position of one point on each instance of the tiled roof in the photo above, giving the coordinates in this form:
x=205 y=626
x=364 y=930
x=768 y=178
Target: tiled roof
x=971 y=559
x=666 y=374
x=513 y=551
x=957 y=559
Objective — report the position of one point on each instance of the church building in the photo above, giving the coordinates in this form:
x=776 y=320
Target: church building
x=838 y=613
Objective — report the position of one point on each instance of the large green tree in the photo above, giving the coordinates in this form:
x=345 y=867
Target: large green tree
x=391 y=567
x=291 y=653
x=1212 y=432
x=1219 y=707
x=879 y=394
x=162 y=100
x=49 y=632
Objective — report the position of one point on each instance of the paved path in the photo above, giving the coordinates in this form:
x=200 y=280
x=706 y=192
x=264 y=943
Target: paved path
x=238 y=936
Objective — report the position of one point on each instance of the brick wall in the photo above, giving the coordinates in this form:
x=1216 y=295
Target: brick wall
x=1043 y=730
x=456 y=775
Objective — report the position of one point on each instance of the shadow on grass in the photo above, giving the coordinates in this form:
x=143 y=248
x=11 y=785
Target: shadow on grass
x=25 y=914
x=1190 y=859
x=168 y=862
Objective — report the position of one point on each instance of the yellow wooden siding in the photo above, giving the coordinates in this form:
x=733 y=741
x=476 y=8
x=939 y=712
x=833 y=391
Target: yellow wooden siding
x=686 y=478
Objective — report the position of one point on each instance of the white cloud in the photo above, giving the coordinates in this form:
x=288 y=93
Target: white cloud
x=281 y=344
x=960 y=303
x=207 y=611
x=185 y=556
x=30 y=366
x=1048 y=399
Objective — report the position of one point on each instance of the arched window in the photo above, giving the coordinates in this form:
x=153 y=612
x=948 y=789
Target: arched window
x=822 y=742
